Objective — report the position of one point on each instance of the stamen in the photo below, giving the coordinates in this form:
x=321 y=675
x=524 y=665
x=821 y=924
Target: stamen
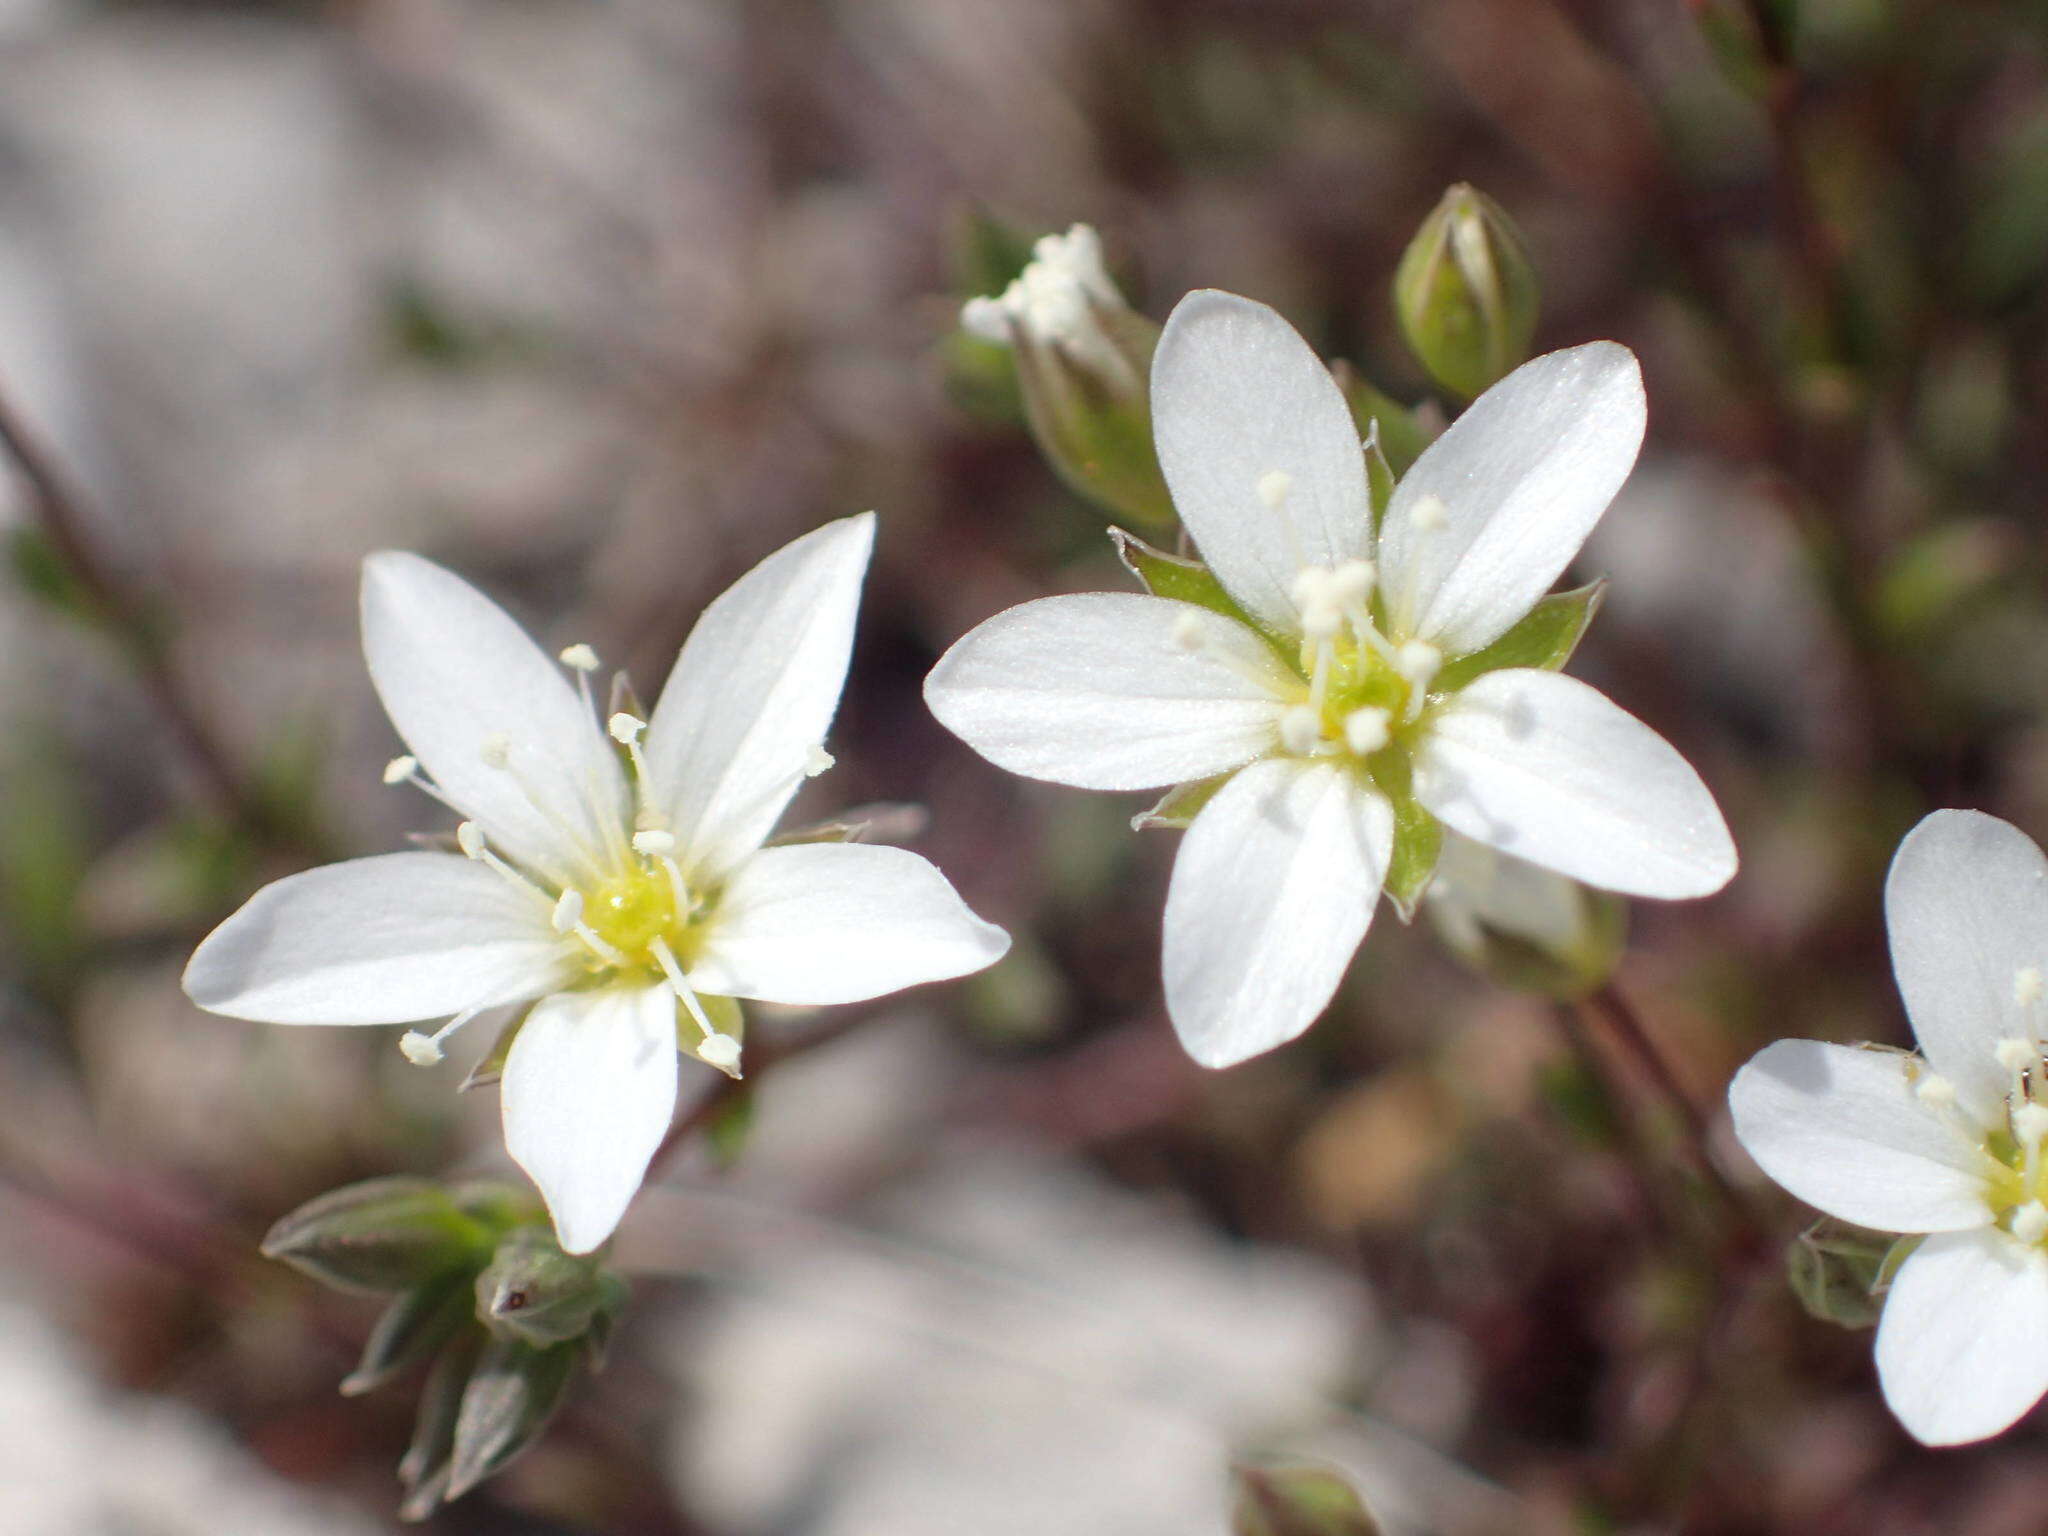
x=400 y=769
x=568 y=911
x=817 y=760
x=654 y=841
x=1428 y=514
x=2030 y=1124
x=2015 y=1054
x=469 y=837
x=1366 y=730
x=2030 y=1222
x=580 y=658
x=424 y=1050
x=1351 y=583
x=626 y=731
x=1301 y=730
x=1319 y=678
x=719 y=1050
x=722 y=1052
x=1273 y=487
x=609 y=953
x=1418 y=661
x=1187 y=633
x=497 y=750
x=1935 y=1091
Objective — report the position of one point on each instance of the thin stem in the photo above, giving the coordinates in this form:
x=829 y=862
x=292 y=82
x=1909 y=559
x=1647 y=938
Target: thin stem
x=122 y=611
x=1622 y=1021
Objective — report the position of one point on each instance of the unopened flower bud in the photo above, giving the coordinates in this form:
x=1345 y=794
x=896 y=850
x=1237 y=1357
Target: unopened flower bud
x=1297 y=1501
x=513 y=1392
x=381 y=1235
x=1084 y=361
x=1523 y=926
x=1840 y=1272
x=534 y=1292
x=1466 y=293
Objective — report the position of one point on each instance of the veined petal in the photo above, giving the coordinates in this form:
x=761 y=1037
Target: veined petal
x=1545 y=768
x=1111 y=690
x=387 y=940
x=837 y=923
x=1844 y=1130
x=754 y=692
x=1962 y=1348
x=1273 y=888
x=1491 y=513
x=1238 y=397
x=588 y=1091
x=1966 y=904
x=469 y=691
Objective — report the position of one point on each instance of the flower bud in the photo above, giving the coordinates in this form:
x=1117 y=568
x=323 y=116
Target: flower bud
x=1840 y=1272
x=513 y=1392
x=381 y=1235
x=1466 y=293
x=534 y=1292
x=1523 y=926
x=1297 y=1501
x=413 y=1327
x=1084 y=360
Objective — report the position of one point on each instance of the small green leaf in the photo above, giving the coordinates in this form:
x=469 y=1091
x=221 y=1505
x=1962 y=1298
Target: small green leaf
x=1179 y=805
x=1545 y=638
x=511 y=1395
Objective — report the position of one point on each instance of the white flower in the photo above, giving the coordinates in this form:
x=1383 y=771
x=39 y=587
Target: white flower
x=616 y=874
x=1948 y=1142
x=1359 y=687
x=1059 y=300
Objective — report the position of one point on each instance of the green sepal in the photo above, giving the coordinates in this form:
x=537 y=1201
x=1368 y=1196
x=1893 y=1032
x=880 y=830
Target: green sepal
x=1286 y=1500
x=1545 y=638
x=1418 y=836
x=1178 y=806
x=413 y=1327
x=380 y=1236
x=1840 y=1272
x=879 y=821
x=512 y=1394
x=1174 y=576
x=1095 y=430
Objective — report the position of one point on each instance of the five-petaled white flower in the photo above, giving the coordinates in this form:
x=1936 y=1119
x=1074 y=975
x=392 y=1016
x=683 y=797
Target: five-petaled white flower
x=1948 y=1142
x=615 y=873
x=1361 y=687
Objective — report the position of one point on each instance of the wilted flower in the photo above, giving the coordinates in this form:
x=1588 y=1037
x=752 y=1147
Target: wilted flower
x=616 y=874
x=1948 y=1142
x=1333 y=692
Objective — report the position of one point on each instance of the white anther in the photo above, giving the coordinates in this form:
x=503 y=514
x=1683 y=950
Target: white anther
x=399 y=769
x=2027 y=985
x=1301 y=728
x=1351 y=583
x=2030 y=1222
x=1365 y=730
x=817 y=760
x=2015 y=1054
x=1935 y=1091
x=1428 y=513
x=1418 y=661
x=625 y=729
x=1187 y=633
x=722 y=1052
x=421 y=1050
x=568 y=911
x=1310 y=587
x=2030 y=1123
x=1274 y=485
x=469 y=837
x=496 y=750
x=988 y=318
x=654 y=841
x=580 y=658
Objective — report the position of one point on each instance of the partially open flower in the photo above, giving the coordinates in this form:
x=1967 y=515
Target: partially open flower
x=616 y=873
x=1949 y=1142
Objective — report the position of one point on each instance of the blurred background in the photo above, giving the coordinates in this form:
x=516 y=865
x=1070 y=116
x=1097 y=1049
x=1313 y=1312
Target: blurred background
x=600 y=303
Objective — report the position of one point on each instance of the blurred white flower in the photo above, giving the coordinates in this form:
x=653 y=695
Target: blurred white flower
x=1058 y=300
x=1359 y=686
x=617 y=875
x=1948 y=1142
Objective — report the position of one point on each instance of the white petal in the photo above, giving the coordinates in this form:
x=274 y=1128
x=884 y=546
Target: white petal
x=1552 y=771
x=1522 y=477
x=1273 y=888
x=1962 y=1348
x=460 y=680
x=588 y=1091
x=1096 y=691
x=387 y=940
x=1236 y=396
x=1967 y=907
x=836 y=923
x=1844 y=1131
x=754 y=692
